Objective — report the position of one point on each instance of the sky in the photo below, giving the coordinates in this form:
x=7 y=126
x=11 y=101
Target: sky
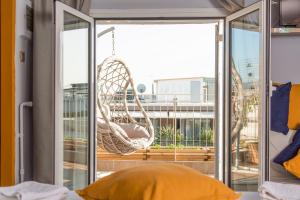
x=161 y=51
x=75 y=53
x=156 y=51
x=245 y=51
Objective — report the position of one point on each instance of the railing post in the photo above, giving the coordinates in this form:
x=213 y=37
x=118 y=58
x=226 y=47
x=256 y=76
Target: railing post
x=175 y=126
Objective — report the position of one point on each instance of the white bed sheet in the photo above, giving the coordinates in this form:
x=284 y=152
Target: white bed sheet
x=250 y=196
x=73 y=196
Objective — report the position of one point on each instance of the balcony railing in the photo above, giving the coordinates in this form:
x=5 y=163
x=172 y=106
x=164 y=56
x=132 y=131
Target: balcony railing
x=184 y=132
x=178 y=119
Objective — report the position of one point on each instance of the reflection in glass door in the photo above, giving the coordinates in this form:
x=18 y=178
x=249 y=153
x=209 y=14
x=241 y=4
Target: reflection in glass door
x=74 y=103
x=245 y=98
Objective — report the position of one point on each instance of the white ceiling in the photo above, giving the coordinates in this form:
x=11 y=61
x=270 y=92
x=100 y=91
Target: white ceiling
x=156 y=8
x=153 y=4
x=159 y=8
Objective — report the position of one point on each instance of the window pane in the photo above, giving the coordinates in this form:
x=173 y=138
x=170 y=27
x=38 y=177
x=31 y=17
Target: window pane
x=245 y=107
x=75 y=61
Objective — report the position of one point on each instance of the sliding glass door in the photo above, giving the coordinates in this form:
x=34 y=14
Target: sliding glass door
x=74 y=103
x=245 y=116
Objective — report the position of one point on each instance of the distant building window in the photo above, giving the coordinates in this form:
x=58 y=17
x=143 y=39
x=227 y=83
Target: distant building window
x=195 y=91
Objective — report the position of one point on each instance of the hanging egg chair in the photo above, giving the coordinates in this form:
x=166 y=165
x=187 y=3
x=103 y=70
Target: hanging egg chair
x=117 y=130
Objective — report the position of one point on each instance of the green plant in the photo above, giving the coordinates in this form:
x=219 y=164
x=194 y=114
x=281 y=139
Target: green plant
x=165 y=136
x=155 y=146
x=207 y=136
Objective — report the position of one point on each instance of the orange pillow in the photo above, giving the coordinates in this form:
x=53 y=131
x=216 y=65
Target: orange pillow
x=294 y=108
x=293 y=165
x=158 y=182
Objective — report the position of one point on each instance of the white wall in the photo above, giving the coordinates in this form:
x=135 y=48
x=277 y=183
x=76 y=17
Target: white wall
x=167 y=90
x=23 y=82
x=285 y=59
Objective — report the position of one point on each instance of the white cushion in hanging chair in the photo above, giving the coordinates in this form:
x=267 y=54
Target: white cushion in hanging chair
x=103 y=126
x=135 y=131
x=137 y=136
x=128 y=131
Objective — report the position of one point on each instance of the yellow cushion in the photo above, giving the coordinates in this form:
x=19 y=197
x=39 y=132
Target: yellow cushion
x=293 y=165
x=158 y=182
x=294 y=108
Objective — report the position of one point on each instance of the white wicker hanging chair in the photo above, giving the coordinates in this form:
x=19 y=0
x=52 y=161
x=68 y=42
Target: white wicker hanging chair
x=238 y=102
x=117 y=131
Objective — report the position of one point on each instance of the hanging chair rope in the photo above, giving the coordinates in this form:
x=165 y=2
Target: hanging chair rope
x=113 y=42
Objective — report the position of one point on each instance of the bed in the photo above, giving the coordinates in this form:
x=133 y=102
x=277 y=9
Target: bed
x=278 y=142
x=246 y=196
x=73 y=196
x=250 y=196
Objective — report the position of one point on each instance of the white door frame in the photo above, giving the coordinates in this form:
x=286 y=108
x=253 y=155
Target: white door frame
x=60 y=8
x=263 y=138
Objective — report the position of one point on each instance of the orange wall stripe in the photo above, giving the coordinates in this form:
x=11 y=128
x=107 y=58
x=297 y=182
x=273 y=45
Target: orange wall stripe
x=7 y=162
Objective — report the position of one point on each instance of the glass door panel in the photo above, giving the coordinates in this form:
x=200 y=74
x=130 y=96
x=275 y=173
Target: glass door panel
x=245 y=110
x=75 y=100
x=245 y=98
